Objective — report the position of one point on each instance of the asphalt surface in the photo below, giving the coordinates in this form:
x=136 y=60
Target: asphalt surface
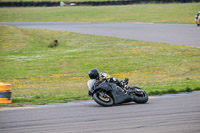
x=162 y=114
x=178 y=34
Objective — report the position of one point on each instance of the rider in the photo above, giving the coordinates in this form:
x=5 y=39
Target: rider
x=197 y=15
x=99 y=77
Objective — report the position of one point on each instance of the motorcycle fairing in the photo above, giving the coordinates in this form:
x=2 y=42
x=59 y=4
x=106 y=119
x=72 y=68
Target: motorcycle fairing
x=104 y=86
x=118 y=95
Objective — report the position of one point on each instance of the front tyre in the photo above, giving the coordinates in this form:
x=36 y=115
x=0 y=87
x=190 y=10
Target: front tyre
x=103 y=98
x=141 y=98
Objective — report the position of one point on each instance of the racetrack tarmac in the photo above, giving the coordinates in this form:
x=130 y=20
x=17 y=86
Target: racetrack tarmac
x=162 y=114
x=178 y=34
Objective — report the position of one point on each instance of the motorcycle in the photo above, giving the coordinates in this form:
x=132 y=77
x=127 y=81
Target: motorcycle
x=107 y=93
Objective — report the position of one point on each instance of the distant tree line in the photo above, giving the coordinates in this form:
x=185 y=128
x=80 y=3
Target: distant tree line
x=89 y=3
x=29 y=3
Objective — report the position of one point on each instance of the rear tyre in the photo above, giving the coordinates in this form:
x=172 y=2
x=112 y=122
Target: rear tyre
x=105 y=100
x=141 y=98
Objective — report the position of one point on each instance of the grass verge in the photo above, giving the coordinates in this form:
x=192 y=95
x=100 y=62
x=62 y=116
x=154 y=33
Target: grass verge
x=157 y=13
x=41 y=75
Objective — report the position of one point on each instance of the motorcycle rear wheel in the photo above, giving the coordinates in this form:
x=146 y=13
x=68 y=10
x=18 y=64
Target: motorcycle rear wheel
x=105 y=101
x=141 y=98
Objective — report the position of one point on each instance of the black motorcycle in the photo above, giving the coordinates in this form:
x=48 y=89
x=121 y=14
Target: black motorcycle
x=107 y=93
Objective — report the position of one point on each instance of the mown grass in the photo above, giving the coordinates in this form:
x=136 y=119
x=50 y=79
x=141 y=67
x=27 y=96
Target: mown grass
x=157 y=13
x=41 y=75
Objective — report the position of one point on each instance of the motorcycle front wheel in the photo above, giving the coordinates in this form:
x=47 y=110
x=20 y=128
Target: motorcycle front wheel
x=141 y=98
x=103 y=98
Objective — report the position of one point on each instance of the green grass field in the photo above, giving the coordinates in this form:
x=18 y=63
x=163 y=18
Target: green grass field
x=41 y=75
x=158 y=13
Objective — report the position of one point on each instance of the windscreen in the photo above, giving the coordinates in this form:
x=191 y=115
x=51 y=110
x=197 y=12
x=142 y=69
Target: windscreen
x=90 y=83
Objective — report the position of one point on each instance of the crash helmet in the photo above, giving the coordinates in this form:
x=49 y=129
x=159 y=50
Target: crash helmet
x=93 y=73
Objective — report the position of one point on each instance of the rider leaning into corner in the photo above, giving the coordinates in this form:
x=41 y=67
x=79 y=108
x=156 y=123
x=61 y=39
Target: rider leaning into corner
x=97 y=77
x=197 y=15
